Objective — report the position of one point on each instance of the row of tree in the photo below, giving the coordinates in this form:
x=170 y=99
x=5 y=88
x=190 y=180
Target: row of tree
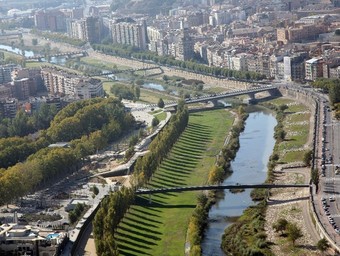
x=114 y=207
x=228 y=153
x=161 y=146
x=105 y=223
x=131 y=52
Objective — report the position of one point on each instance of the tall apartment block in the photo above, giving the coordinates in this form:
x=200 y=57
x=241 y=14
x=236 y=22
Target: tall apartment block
x=52 y=20
x=89 y=29
x=314 y=69
x=129 y=33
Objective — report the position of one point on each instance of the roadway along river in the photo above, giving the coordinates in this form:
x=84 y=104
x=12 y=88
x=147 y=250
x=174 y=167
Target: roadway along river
x=250 y=166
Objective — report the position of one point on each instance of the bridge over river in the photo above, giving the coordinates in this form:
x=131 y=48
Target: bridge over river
x=271 y=89
x=144 y=191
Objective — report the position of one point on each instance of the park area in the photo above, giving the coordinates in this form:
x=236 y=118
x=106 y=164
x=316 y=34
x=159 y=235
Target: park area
x=159 y=227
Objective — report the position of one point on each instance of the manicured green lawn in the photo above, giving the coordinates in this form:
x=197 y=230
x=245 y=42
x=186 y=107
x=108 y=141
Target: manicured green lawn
x=104 y=64
x=12 y=55
x=160 y=228
x=296 y=124
x=153 y=97
x=161 y=116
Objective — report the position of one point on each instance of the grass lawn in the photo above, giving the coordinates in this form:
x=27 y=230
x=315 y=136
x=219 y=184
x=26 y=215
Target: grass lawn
x=147 y=96
x=160 y=116
x=297 y=125
x=292 y=156
x=160 y=228
x=12 y=55
x=107 y=86
x=101 y=63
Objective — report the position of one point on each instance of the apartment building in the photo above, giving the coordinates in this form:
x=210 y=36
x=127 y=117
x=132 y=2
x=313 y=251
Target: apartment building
x=90 y=88
x=300 y=33
x=294 y=66
x=5 y=92
x=53 y=20
x=60 y=82
x=6 y=73
x=22 y=88
x=89 y=29
x=314 y=69
x=130 y=33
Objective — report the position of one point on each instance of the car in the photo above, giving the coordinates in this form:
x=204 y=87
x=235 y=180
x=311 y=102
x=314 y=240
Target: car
x=328 y=213
x=331 y=199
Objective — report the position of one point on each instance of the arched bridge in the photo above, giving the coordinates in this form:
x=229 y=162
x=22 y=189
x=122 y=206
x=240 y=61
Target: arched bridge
x=143 y=191
x=272 y=89
x=67 y=54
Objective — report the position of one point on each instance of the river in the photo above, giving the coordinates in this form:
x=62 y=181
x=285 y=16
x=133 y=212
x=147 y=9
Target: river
x=249 y=167
x=55 y=60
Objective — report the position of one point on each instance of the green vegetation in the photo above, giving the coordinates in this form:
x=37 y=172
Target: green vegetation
x=24 y=124
x=160 y=103
x=124 y=91
x=247 y=235
x=332 y=87
x=160 y=116
x=59 y=37
x=76 y=214
x=109 y=215
x=80 y=122
x=229 y=151
x=9 y=57
x=129 y=51
x=144 y=168
x=162 y=225
x=294 y=129
x=291 y=230
x=323 y=245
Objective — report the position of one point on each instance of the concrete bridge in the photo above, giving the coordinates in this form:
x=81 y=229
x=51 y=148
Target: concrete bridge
x=67 y=54
x=271 y=89
x=143 y=191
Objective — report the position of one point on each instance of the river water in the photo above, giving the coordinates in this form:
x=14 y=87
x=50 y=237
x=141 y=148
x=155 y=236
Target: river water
x=55 y=60
x=249 y=167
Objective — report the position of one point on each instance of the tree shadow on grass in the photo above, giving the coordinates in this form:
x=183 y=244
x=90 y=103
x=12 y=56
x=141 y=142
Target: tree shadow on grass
x=126 y=248
x=146 y=235
x=175 y=173
x=146 y=213
x=160 y=205
x=145 y=218
x=188 y=154
x=166 y=176
x=194 y=146
x=129 y=238
x=140 y=222
x=174 y=169
x=138 y=227
x=168 y=183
